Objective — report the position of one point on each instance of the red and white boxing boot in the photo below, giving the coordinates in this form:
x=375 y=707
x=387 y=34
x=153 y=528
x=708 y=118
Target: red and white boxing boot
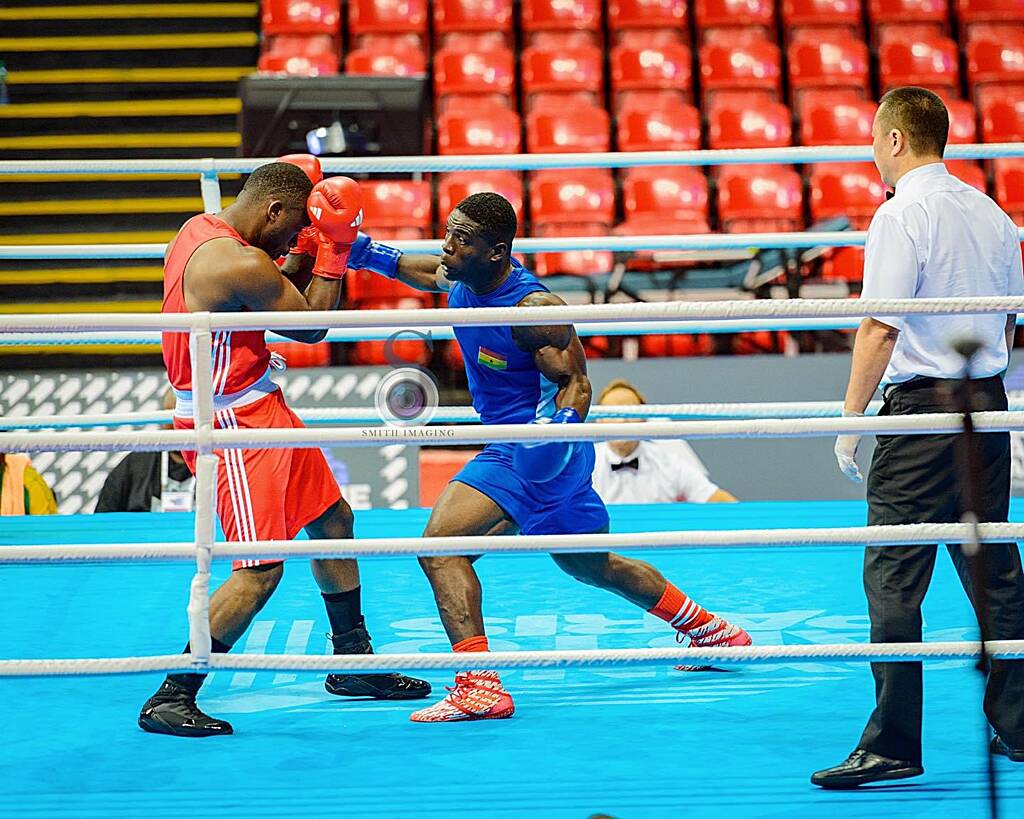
x=716 y=633
x=475 y=695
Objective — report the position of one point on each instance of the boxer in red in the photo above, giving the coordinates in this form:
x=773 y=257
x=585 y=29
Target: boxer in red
x=224 y=263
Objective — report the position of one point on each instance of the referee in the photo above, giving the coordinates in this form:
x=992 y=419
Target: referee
x=937 y=236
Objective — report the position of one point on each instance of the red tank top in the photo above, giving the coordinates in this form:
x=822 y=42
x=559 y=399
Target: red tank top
x=240 y=357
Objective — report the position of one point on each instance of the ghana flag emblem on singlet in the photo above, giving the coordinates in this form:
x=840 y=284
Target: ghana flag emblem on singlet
x=495 y=361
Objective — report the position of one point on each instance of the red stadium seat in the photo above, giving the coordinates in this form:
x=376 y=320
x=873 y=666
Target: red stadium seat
x=401 y=206
x=743 y=67
x=800 y=14
x=306 y=56
x=969 y=172
x=963 y=122
x=664 y=15
x=665 y=192
x=1009 y=188
x=853 y=190
x=760 y=200
x=387 y=17
x=1002 y=117
x=837 y=123
x=886 y=12
x=472 y=15
x=473 y=40
x=991 y=64
x=555 y=15
x=990 y=11
x=834 y=63
x=644 y=37
x=577 y=128
x=666 y=127
x=908 y=20
x=572 y=203
x=648 y=101
x=301 y=17
x=560 y=101
x=665 y=67
x=479 y=130
x=489 y=73
x=391 y=41
x=999 y=32
x=546 y=70
x=905 y=33
x=932 y=63
x=690 y=344
x=752 y=15
x=768 y=125
x=457 y=186
x=372 y=62
x=554 y=40
x=572 y=196
x=298 y=65
x=378 y=353
x=573 y=262
x=300 y=355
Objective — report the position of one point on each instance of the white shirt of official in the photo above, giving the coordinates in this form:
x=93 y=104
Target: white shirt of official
x=666 y=471
x=939 y=237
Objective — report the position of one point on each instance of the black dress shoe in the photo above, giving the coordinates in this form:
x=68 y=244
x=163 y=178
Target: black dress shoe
x=1001 y=748
x=862 y=767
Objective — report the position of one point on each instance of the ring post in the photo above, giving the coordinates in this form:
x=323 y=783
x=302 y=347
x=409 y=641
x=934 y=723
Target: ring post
x=201 y=353
x=209 y=185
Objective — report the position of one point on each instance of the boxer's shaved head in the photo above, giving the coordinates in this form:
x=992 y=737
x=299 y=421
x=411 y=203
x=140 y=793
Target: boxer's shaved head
x=280 y=181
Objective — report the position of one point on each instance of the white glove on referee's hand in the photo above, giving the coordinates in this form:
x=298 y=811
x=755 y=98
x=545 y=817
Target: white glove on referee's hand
x=846 y=451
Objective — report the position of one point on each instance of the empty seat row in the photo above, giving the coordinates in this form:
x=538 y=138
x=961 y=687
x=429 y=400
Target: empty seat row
x=392 y=16
x=747 y=121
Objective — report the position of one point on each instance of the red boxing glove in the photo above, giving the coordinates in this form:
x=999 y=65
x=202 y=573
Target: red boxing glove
x=336 y=209
x=309 y=163
x=306 y=242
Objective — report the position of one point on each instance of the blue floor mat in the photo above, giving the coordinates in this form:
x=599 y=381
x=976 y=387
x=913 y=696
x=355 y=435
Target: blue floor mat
x=628 y=743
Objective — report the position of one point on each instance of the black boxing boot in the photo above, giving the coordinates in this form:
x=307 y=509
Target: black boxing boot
x=376 y=686
x=173 y=710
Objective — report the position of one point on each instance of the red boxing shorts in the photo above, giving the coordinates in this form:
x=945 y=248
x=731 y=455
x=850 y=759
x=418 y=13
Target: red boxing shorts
x=266 y=494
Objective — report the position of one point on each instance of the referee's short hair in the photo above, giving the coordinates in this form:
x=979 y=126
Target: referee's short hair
x=621 y=384
x=920 y=114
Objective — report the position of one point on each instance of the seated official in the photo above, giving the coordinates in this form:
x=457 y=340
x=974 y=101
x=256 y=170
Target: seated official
x=149 y=481
x=23 y=491
x=642 y=471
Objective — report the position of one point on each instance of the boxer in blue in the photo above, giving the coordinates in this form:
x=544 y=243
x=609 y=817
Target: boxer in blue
x=518 y=375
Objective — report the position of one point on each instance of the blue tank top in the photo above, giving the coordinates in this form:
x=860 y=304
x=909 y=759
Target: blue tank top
x=506 y=385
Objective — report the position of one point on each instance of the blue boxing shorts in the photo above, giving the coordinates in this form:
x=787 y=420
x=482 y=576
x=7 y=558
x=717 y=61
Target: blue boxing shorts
x=566 y=505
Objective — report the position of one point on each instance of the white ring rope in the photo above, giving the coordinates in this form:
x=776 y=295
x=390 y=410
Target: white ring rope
x=525 y=162
x=516 y=316
x=618 y=244
x=592 y=658
x=622 y=328
x=894 y=535
x=467 y=415
x=158 y=440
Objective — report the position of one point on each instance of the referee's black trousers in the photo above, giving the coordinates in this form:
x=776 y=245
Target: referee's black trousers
x=914 y=479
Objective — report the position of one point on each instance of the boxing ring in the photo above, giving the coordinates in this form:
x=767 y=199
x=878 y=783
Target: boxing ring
x=604 y=726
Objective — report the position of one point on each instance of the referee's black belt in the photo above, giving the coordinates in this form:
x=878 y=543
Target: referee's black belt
x=921 y=382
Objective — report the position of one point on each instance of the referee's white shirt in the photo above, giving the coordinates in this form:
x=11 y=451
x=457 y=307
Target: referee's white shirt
x=939 y=237
x=666 y=471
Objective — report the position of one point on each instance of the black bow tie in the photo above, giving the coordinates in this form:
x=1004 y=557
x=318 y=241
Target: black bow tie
x=634 y=464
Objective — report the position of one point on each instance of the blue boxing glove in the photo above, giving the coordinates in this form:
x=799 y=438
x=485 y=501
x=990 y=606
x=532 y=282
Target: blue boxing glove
x=545 y=460
x=369 y=255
